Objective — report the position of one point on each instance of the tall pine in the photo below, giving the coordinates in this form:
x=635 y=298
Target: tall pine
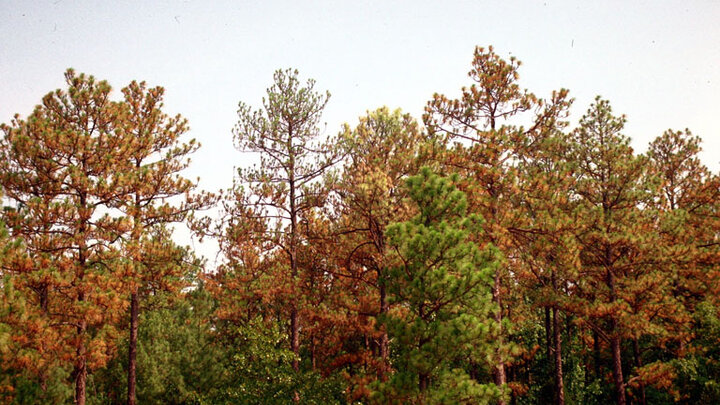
x=441 y=292
x=283 y=191
x=59 y=169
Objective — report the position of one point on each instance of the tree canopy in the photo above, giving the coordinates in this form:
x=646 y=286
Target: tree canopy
x=498 y=251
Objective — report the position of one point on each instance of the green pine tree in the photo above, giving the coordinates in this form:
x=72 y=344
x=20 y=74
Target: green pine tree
x=442 y=313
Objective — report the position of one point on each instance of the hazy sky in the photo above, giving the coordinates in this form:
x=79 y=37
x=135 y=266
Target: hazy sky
x=658 y=62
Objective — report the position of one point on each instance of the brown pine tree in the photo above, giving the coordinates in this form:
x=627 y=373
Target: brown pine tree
x=285 y=187
x=485 y=149
x=623 y=288
x=59 y=168
x=383 y=150
x=155 y=195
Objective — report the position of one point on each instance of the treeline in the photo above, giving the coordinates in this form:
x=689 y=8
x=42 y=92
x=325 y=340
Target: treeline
x=494 y=254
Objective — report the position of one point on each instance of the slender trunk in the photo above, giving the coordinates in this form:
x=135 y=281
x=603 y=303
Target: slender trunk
x=614 y=339
x=638 y=364
x=295 y=338
x=136 y=257
x=617 y=370
x=295 y=345
x=132 y=347
x=294 y=321
x=549 y=341
x=616 y=353
x=384 y=343
x=500 y=378
x=80 y=370
x=548 y=334
x=424 y=382
x=618 y=378
x=596 y=354
x=294 y=318
x=44 y=300
x=312 y=353
x=557 y=343
x=559 y=386
x=134 y=298
x=44 y=304
x=378 y=237
x=423 y=377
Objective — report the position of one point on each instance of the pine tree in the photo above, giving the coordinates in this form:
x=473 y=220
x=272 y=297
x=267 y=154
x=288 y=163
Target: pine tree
x=546 y=251
x=284 y=188
x=687 y=197
x=687 y=202
x=152 y=159
x=486 y=144
x=59 y=167
x=623 y=292
x=442 y=299
x=383 y=150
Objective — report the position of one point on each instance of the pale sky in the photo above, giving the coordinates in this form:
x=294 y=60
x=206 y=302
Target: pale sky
x=658 y=62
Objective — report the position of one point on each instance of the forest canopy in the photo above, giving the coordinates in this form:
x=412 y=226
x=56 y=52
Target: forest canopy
x=495 y=250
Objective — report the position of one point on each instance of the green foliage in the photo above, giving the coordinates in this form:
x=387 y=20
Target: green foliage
x=179 y=359
x=442 y=299
x=28 y=390
x=259 y=370
x=698 y=374
x=185 y=357
x=339 y=286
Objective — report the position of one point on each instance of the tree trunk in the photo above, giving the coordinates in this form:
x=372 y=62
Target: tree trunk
x=617 y=369
x=384 y=341
x=294 y=321
x=295 y=338
x=596 y=354
x=500 y=378
x=614 y=339
x=295 y=346
x=384 y=352
x=549 y=341
x=312 y=352
x=80 y=370
x=638 y=364
x=557 y=343
x=132 y=347
x=559 y=386
x=44 y=304
x=134 y=298
x=548 y=334
x=424 y=382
